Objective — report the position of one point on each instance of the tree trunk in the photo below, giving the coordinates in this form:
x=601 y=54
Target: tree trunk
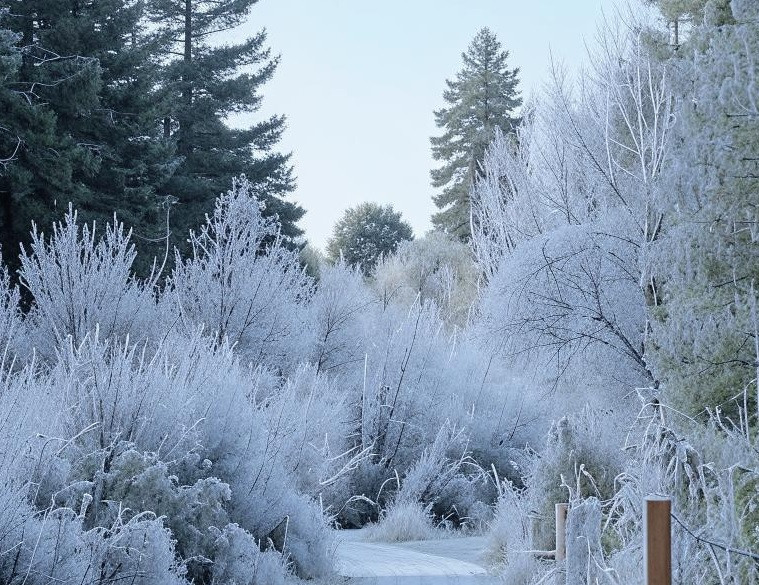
x=184 y=143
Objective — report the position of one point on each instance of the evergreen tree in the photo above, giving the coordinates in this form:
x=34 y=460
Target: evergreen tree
x=680 y=14
x=366 y=233
x=10 y=61
x=132 y=158
x=16 y=109
x=48 y=88
x=84 y=103
x=206 y=86
x=483 y=97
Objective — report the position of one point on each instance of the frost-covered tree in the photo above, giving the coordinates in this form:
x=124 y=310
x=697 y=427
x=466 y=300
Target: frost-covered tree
x=705 y=327
x=365 y=233
x=481 y=98
x=681 y=16
x=564 y=212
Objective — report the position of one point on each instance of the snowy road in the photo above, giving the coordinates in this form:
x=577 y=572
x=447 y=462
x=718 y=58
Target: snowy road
x=438 y=562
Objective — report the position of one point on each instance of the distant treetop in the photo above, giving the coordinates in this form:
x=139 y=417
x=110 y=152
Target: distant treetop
x=367 y=232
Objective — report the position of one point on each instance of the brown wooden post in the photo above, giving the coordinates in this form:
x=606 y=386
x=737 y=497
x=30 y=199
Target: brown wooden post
x=561 y=531
x=657 y=537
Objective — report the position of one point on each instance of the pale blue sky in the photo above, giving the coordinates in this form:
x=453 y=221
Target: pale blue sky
x=359 y=81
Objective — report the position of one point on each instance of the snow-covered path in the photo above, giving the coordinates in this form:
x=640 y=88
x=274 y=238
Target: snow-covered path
x=435 y=562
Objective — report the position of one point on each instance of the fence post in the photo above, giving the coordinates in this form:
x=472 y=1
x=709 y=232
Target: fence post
x=657 y=537
x=561 y=531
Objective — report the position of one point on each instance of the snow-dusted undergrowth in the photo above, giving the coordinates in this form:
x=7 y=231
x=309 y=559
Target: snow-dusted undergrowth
x=212 y=428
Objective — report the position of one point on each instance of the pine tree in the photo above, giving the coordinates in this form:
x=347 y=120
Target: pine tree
x=678 y=13
x=206 y=86
x=129 y=158
x=47 y=89
x=133 y=159
x=16 y=109
x=483 y=97
x=91 y=134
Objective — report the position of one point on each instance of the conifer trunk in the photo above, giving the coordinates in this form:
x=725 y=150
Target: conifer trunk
x=185 y=140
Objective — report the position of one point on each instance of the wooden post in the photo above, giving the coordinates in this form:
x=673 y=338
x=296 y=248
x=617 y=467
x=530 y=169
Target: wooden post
x=561 y=531
x=657 y=537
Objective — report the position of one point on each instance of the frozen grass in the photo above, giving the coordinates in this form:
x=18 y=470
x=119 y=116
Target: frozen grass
x=403 y=522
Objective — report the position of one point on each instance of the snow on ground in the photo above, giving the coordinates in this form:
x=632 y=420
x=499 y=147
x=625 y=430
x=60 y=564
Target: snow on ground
x=431 y=562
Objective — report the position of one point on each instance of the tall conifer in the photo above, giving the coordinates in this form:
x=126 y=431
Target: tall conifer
x=483 y=97
x=207 y=83
x=132 y=157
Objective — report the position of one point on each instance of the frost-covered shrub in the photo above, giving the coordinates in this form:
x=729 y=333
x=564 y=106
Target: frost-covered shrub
x=510 y=537
x=400 y=384
x=80 y=282
x=404 y=375
x=241 y=284
x=11 y=322
x=53 y=541
x=152 y=432
x=575 y=463
x=711 y=474
x=584 y=562
x=54 y=547
x=24 y=410
x=434 y=268
x=411 y=385
x=465 y=501
x=404 y=521
x=135 y=483
x=436 y=467
x=446 y=480
x=181 y=434
x=238 y=559
x=501 y=411
x=306 y=538
x=165 y=401
x=312 y=418
x=406 y=396
x=140 y=550
x=339 y=311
